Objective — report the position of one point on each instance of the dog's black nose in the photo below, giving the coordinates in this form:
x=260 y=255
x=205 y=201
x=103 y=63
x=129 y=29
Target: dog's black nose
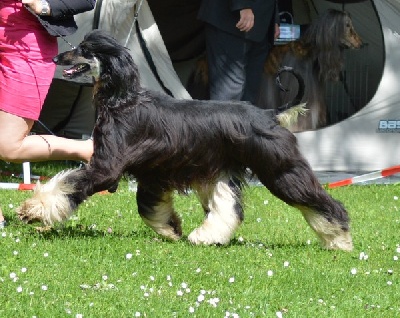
x=55 y=59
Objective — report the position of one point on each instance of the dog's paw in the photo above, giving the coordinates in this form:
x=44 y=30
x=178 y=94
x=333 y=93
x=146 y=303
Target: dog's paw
x=170 y=227
x=343 y=242
x=205 y=236
x=36 y=209
x=169 y=233
x=28 y=212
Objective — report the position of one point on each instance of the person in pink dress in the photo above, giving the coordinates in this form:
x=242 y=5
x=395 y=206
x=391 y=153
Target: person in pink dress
x=28 y=42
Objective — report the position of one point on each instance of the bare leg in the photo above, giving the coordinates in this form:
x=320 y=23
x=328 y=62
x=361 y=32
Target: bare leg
x=2 y=220
x=224 y=212
x=16 y=146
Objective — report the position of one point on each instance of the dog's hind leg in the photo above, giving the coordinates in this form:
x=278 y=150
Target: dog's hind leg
x=155 y=207
x=333 y=232
x=222 y=205
x=298 y=186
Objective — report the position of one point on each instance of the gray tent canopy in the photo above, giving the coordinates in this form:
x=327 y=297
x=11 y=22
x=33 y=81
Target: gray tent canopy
x=368 y=139
x=364 y=111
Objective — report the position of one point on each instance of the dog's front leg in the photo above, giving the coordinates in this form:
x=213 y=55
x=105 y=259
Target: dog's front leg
x=56 y=200
x=53 y=201
x=155 y=206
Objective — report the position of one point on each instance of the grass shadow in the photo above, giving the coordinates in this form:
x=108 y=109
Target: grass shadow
x=77 y=231
x=269 y=246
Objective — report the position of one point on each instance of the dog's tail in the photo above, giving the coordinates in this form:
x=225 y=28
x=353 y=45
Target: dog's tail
x=288 y=113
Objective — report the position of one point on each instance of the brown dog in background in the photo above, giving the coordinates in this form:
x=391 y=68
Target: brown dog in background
x=318 y=57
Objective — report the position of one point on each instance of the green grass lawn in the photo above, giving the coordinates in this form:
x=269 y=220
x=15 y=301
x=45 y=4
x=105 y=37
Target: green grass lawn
x=104 y=262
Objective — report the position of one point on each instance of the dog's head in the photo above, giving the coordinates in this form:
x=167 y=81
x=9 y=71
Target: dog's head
x=97 y=53
x=350 y=39
x=332 y=30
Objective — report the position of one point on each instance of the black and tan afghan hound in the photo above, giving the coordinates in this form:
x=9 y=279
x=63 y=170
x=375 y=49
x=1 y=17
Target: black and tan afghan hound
x=169 y=144
x=318 y=57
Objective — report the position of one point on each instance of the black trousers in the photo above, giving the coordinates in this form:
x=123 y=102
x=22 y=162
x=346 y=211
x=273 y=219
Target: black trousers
x=235 y=65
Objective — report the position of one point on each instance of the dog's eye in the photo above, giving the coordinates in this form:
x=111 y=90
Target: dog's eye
x=83 y=49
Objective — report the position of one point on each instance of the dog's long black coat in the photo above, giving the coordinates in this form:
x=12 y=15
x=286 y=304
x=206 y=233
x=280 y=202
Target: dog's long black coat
x=169 y=144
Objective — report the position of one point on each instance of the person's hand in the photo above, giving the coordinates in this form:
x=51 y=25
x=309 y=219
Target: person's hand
x=277 y=31
x=246 y=21
x=35 y=5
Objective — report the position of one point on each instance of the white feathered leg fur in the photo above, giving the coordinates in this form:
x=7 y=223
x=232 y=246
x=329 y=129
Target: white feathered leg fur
x=222 y=219
x=49 y=203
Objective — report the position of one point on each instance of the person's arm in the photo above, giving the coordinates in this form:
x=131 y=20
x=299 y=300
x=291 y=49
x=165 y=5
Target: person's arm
x=246 y=21
x=59 y=9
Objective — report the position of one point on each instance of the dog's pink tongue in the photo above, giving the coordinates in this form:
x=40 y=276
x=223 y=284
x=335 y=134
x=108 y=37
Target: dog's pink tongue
x=68 y=72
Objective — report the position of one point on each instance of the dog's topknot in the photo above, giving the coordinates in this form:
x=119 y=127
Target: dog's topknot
x=99 y=41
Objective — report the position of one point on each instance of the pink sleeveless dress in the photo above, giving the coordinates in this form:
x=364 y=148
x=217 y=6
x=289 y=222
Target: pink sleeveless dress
x=26 y=67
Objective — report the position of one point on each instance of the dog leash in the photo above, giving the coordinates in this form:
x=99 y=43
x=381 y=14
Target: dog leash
x=145 y=50
x=135 y=17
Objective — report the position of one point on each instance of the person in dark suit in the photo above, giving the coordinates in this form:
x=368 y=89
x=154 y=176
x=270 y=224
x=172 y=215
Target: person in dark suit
x=239 y=34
